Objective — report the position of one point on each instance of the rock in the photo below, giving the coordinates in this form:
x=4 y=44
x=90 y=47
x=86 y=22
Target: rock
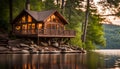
x=31 y=48
x=70 y=49
x=32 y=42
x=14 y=42
x=18 y=46
x=46 y=48
x=15 y=49
x=33 y=45
x=3 y=48
x=26 y=48
x=63 y=49
x=25 y=51
x=24 y=45
x=56 y=44
x=44 y=44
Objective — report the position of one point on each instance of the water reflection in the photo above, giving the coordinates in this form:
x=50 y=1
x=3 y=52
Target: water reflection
x=111 y=58
x=90 y=60
x=43 y=61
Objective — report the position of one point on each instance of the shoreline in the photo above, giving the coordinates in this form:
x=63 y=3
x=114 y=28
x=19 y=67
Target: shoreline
x=23 y=46
x=40 y=52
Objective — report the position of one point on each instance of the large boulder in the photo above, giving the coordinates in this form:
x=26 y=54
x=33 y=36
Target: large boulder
x=55 y=44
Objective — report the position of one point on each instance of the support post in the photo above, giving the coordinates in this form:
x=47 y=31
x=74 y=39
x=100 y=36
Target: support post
x=38 y=36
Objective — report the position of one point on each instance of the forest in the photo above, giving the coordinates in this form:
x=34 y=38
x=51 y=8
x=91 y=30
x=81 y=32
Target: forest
x=112 y=35
x=87 y=23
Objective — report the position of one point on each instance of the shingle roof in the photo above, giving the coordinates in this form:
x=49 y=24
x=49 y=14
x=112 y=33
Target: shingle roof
x=42 y=15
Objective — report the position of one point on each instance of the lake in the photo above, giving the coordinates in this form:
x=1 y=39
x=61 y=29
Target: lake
x=99 y=59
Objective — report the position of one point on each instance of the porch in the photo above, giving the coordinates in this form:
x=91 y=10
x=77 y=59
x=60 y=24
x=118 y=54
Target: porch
x=46 y=33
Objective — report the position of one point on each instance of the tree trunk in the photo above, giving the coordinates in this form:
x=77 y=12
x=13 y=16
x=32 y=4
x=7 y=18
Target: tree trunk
x=85 y=23
x=10 y=9
x=10 y=13
x=62 y=7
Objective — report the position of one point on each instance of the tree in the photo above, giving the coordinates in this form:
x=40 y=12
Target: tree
x=85 y=23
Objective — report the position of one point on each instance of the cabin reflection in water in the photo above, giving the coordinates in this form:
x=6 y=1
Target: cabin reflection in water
x=46 y=61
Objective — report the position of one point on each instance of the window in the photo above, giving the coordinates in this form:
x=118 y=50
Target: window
x=51 y=26
x=39 y=26
x=48 y=26
x=24 y=26
x=33 y=26
x=29 y=18
x=23 y=19
x=17 y=28
x=48 y=20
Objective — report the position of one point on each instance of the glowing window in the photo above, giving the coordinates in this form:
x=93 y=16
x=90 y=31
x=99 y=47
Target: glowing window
x=33 y=26
x=29 y=26
x=39 y=26
x=48 y=20
x=24 y=26
x=29 y=18
x=23 y=19
x=17 y=28
x=53 y=18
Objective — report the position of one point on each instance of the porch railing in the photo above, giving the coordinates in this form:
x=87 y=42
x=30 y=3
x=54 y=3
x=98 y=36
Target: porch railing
x=56 y=32
x=49 y=32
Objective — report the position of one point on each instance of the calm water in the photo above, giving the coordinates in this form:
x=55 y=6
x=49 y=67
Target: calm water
x=95 y=60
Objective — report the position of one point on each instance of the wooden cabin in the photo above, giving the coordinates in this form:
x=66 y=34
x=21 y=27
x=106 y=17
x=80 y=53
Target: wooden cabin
x=41 y=24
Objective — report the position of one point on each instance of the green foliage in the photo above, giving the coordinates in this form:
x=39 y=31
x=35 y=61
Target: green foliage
x=95 y=33
x=4 y=26
x=75 y=19
x=49 y=4
x=4 y=15
x=112 y=35
x=37 y=5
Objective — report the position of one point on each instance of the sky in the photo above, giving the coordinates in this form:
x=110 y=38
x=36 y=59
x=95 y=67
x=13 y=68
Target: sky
x=111 y=19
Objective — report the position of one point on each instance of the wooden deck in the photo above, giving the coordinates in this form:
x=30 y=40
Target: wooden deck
x=46 y=33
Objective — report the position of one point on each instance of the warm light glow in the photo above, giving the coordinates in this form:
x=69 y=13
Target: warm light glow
x=39 y=26
x=48 y=20
x=29 y=26
x=33 y=29
x=23 y=19
x=17 y=27
x=24 y=26
x=29 y=18
x=53 y=18
x=33 y=26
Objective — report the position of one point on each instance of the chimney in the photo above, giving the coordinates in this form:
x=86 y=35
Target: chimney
x=27 y=5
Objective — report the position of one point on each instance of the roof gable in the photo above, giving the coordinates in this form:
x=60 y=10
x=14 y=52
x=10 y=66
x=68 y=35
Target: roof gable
x=41 y=16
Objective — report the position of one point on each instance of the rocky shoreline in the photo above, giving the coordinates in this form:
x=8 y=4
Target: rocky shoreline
x=21 y=46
